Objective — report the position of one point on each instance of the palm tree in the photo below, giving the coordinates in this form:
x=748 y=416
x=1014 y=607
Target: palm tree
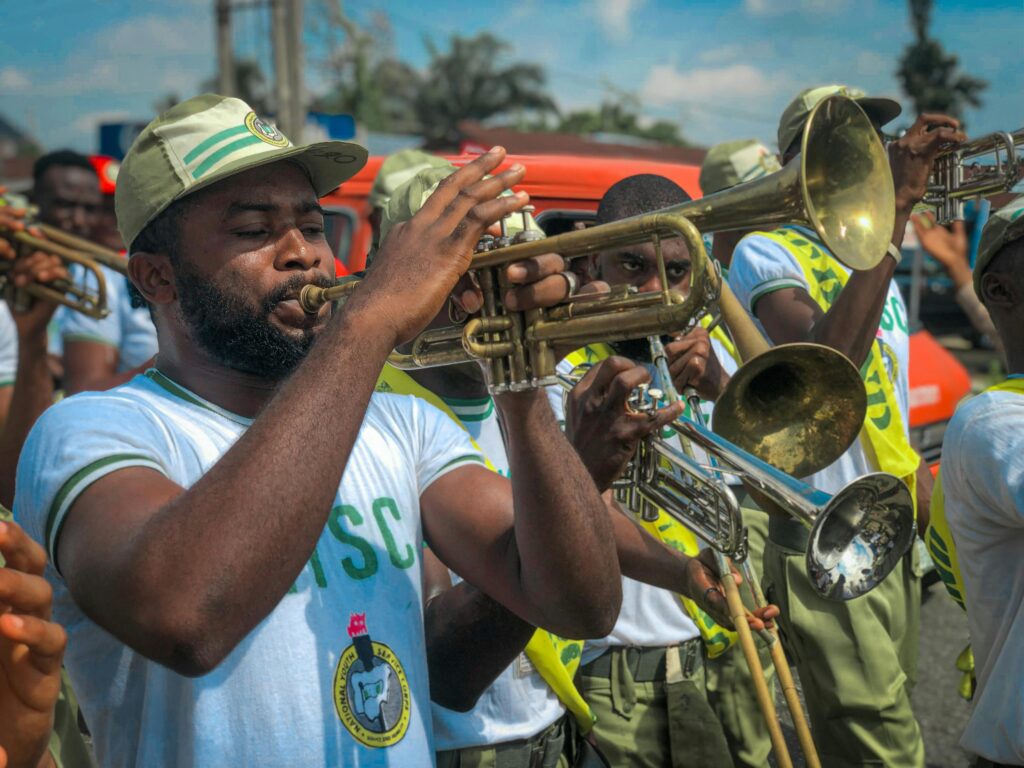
x=470 y=82
x=930 y=76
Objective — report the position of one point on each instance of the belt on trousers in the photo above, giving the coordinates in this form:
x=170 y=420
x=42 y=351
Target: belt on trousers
x=646 y=664
x=788 y=533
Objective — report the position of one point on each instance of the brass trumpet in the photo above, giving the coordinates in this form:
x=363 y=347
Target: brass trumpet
x=840 y=185
x=954 y=178
x=85 y=292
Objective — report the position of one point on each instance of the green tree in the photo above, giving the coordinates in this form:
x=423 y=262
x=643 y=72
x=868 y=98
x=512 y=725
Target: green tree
x=367 y=81
x=473 y=80
x=619 y=117
x=250 y=86
x=930 y=76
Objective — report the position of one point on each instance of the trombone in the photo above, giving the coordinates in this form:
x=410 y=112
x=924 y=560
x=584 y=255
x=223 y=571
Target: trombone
x=955 y=178
x=85 y=292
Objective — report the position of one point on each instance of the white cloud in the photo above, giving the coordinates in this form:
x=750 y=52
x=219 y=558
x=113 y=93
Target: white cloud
x=733 y=51
x=870 y=63
x=154 y=54
x=736 y=82
x=615 y=17
x=12 y=79
x=780 y=7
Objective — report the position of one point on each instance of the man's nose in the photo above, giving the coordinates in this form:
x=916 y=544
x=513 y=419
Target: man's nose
x=652 y=283
x=294 y=252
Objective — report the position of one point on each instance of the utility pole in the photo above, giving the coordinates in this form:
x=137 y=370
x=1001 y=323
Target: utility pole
x=225 y=52
x=286 y=34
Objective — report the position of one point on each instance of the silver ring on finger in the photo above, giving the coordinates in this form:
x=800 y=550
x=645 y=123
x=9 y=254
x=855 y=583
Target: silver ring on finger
x=572 y=283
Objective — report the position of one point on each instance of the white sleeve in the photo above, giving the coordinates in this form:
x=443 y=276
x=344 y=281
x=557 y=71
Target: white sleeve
x=759 y=266
x=440 y=444
x=990 y=458
x=72 y=445
x=8 y=347
x=74 y=326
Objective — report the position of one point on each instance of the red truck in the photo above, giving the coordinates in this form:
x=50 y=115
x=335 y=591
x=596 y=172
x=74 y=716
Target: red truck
x=565 y=190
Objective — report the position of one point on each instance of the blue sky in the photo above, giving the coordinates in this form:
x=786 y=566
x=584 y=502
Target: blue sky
x=723 y=69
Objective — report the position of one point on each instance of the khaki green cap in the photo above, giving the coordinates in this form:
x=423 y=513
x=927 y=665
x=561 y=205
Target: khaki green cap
x=735 y=162
x=411 y=196
x=1004 y=226
x=398 y=169
x=205 y=140
x=880 y=110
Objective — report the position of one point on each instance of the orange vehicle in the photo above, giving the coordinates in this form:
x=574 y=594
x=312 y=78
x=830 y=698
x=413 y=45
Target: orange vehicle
x=565 y=190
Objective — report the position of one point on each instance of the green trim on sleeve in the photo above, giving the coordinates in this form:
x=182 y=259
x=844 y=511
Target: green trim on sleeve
x=90 y=338
x=770 y=287
x=469 y=458
x=6 y=383
x=78 y=482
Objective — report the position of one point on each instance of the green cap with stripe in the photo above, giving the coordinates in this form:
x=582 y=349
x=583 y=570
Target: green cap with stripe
x=398 y=169
x=1004 y=226
x=205 y=140
x=735 y=162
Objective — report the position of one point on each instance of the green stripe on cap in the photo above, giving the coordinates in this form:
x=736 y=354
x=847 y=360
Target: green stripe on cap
x=217 y=138
x=223 y=152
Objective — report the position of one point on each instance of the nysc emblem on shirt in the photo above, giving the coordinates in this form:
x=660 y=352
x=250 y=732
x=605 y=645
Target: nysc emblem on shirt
x=371 y=692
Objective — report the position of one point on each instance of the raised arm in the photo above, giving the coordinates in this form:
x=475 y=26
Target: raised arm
x=241 y=560
x=790 y=315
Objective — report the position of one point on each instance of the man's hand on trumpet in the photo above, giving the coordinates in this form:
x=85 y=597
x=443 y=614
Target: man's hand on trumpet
x=693 y=363
x=22 y=269
x=600 y=426
x=702 y=585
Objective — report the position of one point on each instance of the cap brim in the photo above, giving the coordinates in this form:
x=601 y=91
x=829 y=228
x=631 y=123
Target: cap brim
x=328 y=163
x=881 y=111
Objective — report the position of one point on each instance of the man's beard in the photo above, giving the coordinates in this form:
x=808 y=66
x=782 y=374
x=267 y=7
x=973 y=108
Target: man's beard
x=237 y=334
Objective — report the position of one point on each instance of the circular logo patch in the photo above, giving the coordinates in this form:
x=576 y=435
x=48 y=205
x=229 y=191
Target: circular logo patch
x=371 y=693
x=265 y=131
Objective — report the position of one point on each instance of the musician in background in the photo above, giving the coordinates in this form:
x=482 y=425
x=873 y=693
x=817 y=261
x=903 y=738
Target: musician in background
x=982 y=500
x=31 y=647
x=728 y=677
x=97 y=353
x=500 y=687
x=857 y=659
x=647 y=717
x=397 y=169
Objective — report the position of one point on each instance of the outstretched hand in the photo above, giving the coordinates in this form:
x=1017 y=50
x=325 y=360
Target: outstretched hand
x=31 y=651
x=604 y=432
x=421 y=260
x=704 y=587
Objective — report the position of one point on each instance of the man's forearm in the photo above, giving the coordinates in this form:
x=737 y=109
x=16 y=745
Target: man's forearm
x=850 y=325
x=471 y=639
x=33 y=394
x=567 y=563
x=249 y=525
x=644 y=558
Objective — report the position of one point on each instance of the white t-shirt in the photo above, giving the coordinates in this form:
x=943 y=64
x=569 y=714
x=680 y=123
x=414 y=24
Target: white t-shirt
x=983 y=484
x=336 y=674
x=650 y=617
x=8 y=347
x=518 y=704
x=760 y=266
x=128 y=329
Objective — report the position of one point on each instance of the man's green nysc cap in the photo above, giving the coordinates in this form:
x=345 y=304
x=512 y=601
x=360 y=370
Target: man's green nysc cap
x=205 y=140
x=735 y=162
x=1004 y=226
x=880 y=110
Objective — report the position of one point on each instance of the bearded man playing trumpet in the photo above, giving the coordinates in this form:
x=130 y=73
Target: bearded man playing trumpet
x=256 y=452
x=857 y=659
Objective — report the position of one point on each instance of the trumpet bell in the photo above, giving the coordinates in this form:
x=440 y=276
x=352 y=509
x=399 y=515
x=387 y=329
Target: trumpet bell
x=796 y=407
x=860 y=536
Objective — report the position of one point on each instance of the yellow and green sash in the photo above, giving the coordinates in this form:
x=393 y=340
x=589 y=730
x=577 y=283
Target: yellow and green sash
x=668 y=530
x=554 y=658
x=883 y=424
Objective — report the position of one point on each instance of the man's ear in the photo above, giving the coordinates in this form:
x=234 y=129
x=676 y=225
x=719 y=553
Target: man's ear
x=152 y=275
x=998 y=291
